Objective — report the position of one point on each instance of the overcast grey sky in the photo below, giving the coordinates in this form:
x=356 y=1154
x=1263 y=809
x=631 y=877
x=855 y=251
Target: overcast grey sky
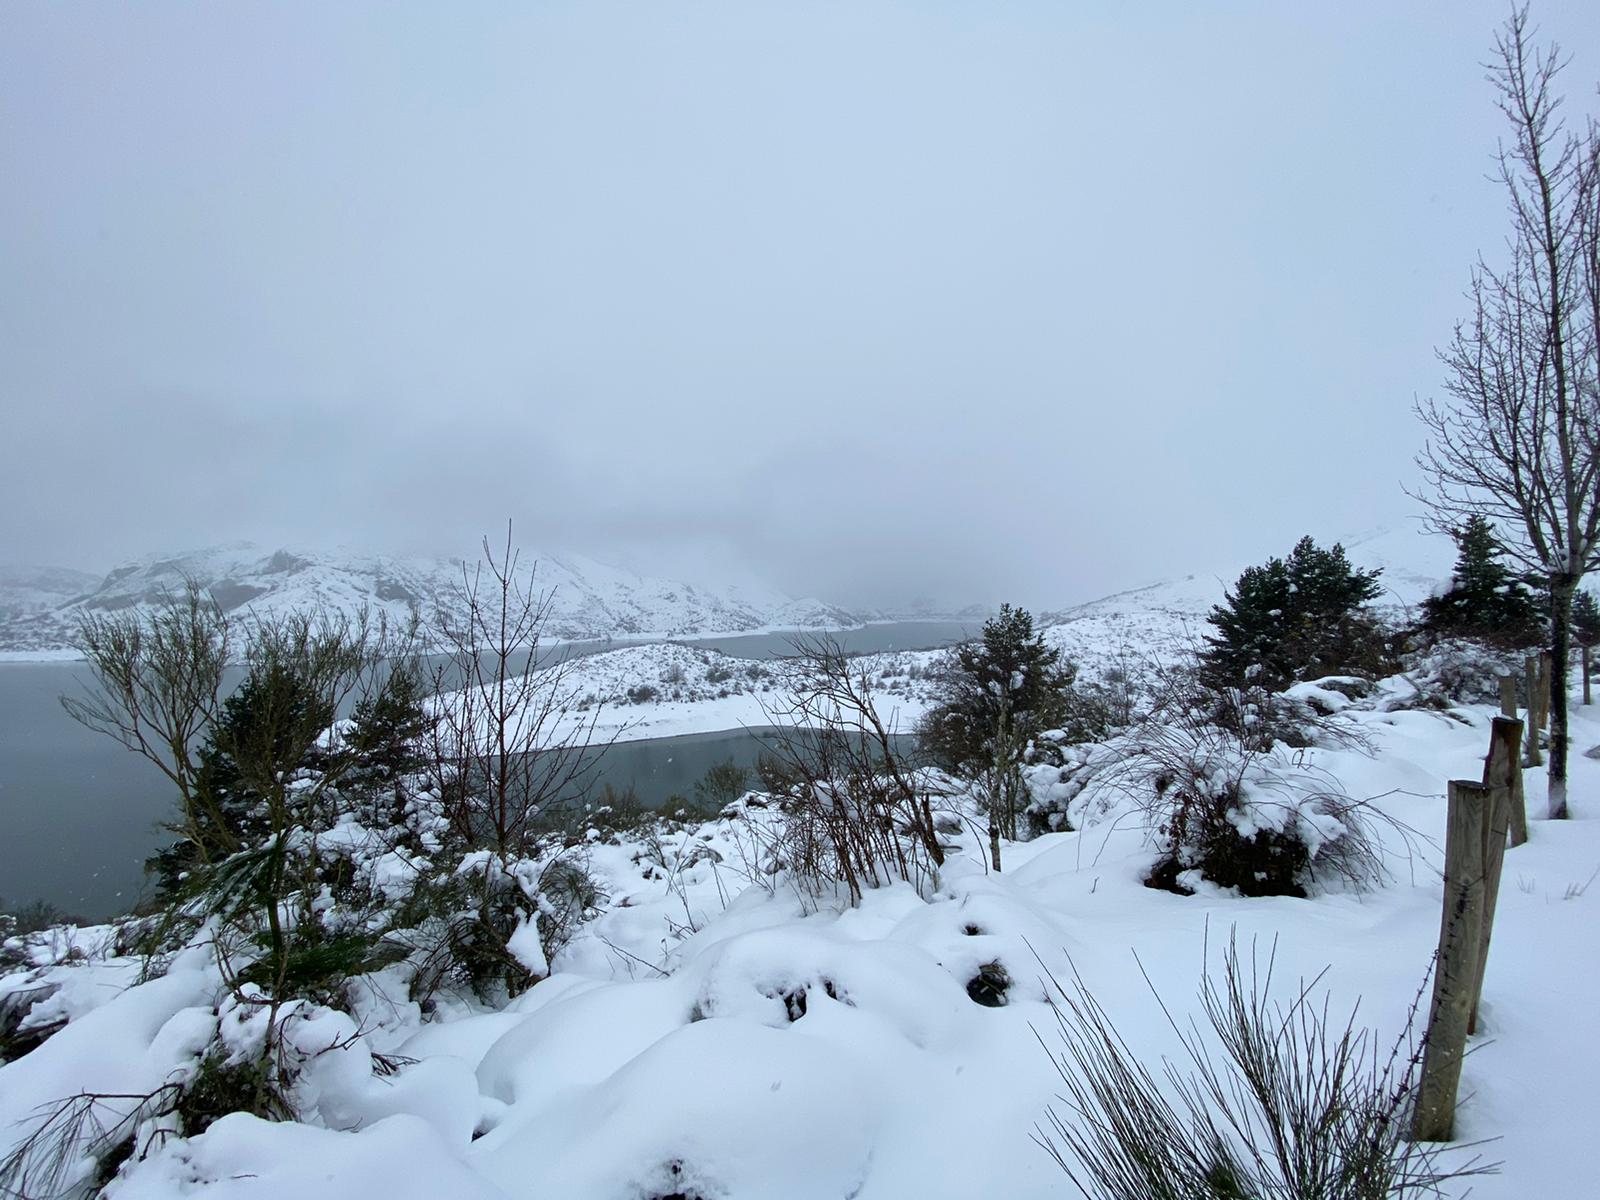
x=978 y=300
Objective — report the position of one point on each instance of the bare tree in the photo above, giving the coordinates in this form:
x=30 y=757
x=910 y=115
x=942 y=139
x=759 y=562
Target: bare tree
x=859 y=814
x=1518 y=439
x=156 y=686
x=510 y=748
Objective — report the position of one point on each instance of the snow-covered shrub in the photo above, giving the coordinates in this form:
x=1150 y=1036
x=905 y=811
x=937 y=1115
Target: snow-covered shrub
x=856 y=815
x=1052 y=784
x=1222 y=783
x=1275 y=1099
x=1453 y=671
x=1264 y=823
x=567 y=897
x=490 y=924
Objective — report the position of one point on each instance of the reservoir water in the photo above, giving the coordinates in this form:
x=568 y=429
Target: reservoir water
x=79 y=814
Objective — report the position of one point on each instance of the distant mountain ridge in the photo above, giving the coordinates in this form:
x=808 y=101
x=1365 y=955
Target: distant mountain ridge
x=26 y=590
x=589 y=599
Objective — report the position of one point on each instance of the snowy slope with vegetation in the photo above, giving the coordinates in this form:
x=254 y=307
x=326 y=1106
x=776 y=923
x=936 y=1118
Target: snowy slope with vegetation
x=588 y=599
x=714 y=1033
x=665 y=690
x=668 y=689
x=723 y=1024
x=1168 y=619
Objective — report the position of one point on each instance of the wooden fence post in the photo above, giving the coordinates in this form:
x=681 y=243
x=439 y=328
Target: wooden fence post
x=1530 y=676
x=1501 y=769
x=1455 y=976
x=1503 y=777
x=1586 y=662
x=1508 y=695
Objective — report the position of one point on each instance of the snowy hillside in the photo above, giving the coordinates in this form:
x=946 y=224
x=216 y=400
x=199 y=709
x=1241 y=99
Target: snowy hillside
x=590 y=600
x=25 y=590
x=668 y=690
x=711 y=1034
x=1165 y=618
x=661 y=690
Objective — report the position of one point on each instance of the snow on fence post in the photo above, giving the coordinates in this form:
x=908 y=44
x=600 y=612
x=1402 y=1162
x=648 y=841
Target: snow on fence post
x=1455 y=975
x=1502 y=769
x=1508 y=695
x=1530 y=672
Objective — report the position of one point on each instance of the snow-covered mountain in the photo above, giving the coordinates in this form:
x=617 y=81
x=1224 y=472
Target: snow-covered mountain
x=25 y=590
x=588 y=599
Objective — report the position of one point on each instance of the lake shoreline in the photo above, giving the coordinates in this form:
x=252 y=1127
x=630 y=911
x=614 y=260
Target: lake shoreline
x=81 y=813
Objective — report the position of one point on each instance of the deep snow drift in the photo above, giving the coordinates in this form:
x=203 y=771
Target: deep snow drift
x=711 y=1035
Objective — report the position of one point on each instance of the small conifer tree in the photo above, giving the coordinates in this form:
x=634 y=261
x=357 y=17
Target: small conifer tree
x=1486 y=600
x=1292 y=618
x=266 y=728
x=1586 y=620
x=1006 y=682
x=387 y=730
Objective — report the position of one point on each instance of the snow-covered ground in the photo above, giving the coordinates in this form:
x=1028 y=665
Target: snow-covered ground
x=708 y=1037
x=665 y=690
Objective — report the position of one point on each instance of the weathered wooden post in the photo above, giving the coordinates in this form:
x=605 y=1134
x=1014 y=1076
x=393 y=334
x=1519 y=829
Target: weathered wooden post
x=1586 y=662
x=1503 y=777
x=1508 y=695
x=1501 y=769
x=1455 y=976
x=1530 y=678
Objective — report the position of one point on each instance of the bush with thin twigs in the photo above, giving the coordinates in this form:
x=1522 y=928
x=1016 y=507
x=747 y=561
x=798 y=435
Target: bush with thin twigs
x=722 y=784
x=857 y=814
x=618 y=811
x=76 y=1144
x=1274 y=1100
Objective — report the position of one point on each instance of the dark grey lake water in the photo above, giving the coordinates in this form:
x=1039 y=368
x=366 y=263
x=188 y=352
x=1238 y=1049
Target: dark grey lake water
x=79 y=814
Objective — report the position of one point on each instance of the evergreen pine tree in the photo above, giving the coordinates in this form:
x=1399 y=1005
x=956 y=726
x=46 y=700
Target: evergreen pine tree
x=1290 y=618
x=1585 y=620
x=1486 y=599
x=386 y=731
x=266 y=715
x=1008 y=678
x=387 y=739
